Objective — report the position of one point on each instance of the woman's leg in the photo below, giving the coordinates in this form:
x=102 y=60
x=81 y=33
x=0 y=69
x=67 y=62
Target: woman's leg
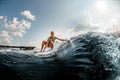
x=52 y=45
x=46 y=45
x=43 y=44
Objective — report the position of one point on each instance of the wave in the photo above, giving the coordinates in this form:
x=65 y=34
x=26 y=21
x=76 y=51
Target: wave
x=91 y=56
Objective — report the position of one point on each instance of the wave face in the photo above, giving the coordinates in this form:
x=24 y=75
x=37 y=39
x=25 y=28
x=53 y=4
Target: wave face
x=92 y=56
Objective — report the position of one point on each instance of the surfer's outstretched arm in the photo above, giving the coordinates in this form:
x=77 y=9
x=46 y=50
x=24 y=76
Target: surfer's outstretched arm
x=61 y=39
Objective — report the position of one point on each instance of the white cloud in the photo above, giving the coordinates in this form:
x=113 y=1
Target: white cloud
x=84 y=26
x=12 y=25
x=62 y=35
x=17 y=28
x=14 y=28
x=5 y=38
x=28 y=15
x=72 y=32
x=106 y=14
x=26 y=24
x=1 y=17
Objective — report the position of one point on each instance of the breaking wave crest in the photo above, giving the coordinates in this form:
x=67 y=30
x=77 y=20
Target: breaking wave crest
x=91 y=56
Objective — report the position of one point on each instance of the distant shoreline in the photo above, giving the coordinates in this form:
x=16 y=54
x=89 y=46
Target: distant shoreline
x=20 y=47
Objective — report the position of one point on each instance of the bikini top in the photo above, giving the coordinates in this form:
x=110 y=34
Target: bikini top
x=53 y=39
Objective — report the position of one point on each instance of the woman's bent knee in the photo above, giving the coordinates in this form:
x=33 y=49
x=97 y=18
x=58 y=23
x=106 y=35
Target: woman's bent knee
x=44 y=41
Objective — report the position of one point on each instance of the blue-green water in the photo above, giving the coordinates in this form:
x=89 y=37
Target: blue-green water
x=92 y=56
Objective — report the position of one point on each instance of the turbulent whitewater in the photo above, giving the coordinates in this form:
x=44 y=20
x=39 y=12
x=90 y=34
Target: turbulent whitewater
x=91 y=56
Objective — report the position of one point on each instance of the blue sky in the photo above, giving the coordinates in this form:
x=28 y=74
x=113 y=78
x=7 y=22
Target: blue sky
x=49 y=15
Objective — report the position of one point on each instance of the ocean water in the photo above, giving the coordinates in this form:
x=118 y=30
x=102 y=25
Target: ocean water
x=90 y=56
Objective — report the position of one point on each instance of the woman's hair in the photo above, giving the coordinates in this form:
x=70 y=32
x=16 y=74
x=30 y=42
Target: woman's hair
x=52 y=32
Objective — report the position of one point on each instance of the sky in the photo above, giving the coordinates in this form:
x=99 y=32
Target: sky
x=28 y=22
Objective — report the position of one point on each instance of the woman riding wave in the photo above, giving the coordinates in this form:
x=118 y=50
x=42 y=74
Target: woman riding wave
x=50 y=42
